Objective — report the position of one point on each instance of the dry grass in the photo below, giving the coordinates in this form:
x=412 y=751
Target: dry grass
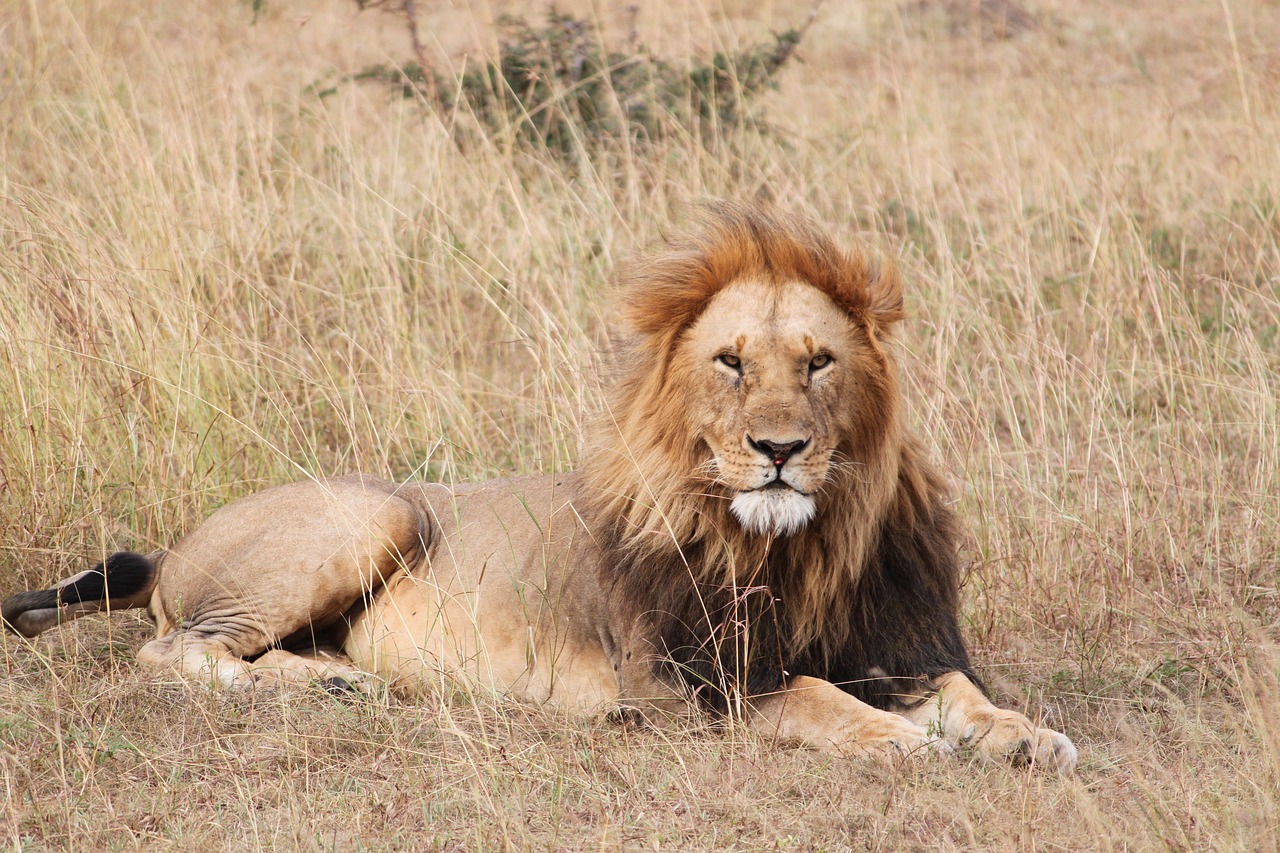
x=210 y=282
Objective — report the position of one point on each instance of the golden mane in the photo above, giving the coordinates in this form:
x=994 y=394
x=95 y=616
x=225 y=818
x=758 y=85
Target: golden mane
x=647 y=483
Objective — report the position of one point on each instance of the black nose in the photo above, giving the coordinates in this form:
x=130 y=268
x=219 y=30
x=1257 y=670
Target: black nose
x=778 y=451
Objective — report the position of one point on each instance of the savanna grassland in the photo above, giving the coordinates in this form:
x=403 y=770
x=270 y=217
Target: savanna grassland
x=213 y=279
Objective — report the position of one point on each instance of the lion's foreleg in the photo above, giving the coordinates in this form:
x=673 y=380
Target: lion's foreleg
x=822 y=716
x=963 y=714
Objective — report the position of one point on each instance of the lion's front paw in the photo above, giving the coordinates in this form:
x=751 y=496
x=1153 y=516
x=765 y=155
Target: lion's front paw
x=892 y=738
x=1010 y=736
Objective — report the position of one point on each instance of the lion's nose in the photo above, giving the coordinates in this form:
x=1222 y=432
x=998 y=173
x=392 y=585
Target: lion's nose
x=778 y=451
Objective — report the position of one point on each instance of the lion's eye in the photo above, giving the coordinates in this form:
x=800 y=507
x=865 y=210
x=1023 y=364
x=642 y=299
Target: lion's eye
x=819 y=361
x=730 y=360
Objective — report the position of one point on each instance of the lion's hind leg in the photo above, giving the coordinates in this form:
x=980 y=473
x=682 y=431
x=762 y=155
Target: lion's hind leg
x=218 y=660
x=965 y=716
x=200 y=657
x=277 y=573
x=320 y=663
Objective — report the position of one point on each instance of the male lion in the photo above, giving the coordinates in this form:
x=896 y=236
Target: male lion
x=752 y=532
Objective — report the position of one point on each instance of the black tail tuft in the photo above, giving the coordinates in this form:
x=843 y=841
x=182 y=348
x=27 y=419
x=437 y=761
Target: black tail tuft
x=121 y=577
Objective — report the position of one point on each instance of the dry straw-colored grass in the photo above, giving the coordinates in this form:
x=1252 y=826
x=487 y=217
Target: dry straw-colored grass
x=211 y=281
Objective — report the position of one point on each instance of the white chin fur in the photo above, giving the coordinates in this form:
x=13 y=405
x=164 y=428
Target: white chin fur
x=779 y=511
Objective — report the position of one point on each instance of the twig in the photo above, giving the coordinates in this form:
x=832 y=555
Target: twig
x=411 y=13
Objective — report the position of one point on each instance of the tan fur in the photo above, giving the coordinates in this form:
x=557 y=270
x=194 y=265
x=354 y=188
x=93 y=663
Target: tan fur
x=754 y=351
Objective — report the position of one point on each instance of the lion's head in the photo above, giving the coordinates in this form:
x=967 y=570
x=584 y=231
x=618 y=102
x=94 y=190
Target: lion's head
x=775 y=380
x=756 y=382
x=752 y=436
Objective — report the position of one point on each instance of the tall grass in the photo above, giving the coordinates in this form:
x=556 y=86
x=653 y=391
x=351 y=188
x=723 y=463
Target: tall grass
x=211 y=282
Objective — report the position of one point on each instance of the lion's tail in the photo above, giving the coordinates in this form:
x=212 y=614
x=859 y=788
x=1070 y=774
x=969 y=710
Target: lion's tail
x=121 y=581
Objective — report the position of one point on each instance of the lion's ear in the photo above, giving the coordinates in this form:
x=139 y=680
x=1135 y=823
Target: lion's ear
x=884 y=296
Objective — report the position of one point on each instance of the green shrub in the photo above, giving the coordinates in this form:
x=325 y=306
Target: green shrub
x=558 y=87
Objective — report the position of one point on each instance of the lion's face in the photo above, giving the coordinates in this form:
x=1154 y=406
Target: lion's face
x=777 y=378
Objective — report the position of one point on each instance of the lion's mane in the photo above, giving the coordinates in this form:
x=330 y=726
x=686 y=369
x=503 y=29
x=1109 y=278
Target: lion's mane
x=861 y=593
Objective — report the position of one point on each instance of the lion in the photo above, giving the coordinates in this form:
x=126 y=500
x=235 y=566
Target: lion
x=753 y=534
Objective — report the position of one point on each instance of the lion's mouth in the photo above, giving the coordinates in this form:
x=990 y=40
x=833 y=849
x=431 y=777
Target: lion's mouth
x=778 y=484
